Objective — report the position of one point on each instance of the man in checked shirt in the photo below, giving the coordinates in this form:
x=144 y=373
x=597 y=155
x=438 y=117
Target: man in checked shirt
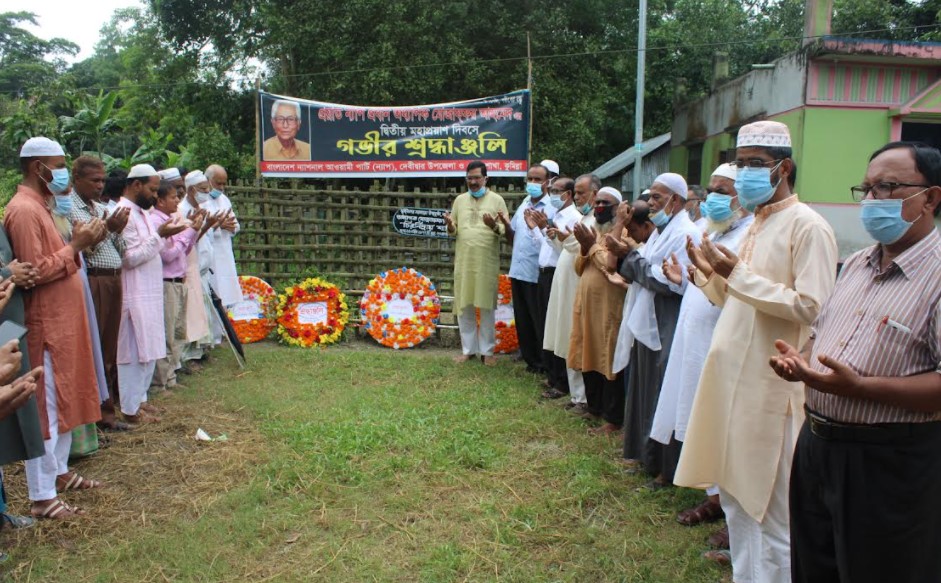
x=103 y=262
x=865 y=495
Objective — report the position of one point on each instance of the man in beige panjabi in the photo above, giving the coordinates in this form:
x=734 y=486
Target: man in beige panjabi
x=286 y=121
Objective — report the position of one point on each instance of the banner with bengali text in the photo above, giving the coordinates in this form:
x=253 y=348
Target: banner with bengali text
x=312 y=139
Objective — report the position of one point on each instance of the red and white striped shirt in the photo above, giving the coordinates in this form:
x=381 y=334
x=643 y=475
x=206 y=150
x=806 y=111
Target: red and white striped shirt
x=884 y=324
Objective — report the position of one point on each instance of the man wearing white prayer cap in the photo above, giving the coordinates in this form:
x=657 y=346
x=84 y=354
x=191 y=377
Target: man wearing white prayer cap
x=141 y=339
x=596 y=315
x=200 y=316
x=553 y=167
x=727 y=223
x=652 y=312
x=66 y=387
x=744 y=419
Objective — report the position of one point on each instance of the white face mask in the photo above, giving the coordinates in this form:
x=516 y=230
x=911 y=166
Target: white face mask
x=201 y=196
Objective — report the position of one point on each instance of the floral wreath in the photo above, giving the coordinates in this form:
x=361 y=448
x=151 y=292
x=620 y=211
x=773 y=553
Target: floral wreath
x=253 y=317
x=400 y=308
x=507 y=341
x=312 y=312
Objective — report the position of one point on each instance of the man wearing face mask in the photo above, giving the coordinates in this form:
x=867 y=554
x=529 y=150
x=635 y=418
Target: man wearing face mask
x=59 y=335
x=561 y=199
x=524 y=267
x=477 y=231
x=141 y=340
x=225 y=277
x=653 y=309
x=745 y=419
x=558 y=332
x=727 y=222
x=201 y=260
x=865 y=501
x=596 y=316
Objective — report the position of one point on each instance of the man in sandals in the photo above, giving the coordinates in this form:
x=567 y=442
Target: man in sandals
x=57 y=322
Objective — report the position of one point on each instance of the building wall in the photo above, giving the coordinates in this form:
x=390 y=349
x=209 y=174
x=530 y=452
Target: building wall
x=760 y=93
x=654 y=165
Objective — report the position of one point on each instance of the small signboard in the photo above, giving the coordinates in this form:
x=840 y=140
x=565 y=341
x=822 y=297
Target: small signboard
x=417 y=222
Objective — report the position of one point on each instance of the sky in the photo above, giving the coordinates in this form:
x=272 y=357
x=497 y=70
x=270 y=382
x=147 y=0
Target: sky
x=74 y=20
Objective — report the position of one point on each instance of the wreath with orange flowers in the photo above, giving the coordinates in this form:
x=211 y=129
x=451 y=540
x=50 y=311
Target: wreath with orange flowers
x=253 y=317
x=312 y=312
x=507 y=340
x=400 y=308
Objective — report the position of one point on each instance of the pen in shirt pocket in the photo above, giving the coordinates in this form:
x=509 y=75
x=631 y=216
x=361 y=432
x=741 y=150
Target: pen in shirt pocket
x=887 y=321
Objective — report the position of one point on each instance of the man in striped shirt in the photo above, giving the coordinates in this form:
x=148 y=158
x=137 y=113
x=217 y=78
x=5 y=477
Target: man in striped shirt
x=865 y=496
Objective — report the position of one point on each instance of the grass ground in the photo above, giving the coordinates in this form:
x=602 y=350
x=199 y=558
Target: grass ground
x=362 y=464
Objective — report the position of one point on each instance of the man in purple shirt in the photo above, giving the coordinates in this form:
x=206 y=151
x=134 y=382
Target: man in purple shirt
x=173 y=256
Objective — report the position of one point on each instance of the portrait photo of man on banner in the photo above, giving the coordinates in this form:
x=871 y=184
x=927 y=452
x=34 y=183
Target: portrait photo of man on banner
x=284 y=125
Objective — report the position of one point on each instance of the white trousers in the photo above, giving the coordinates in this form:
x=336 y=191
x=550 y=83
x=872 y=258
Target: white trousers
x=761 y=551
x=134 y=378
x=41 y=472
x=477 y=339
x=576 y=386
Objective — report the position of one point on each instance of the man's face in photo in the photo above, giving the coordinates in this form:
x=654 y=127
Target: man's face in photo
x=285 y=122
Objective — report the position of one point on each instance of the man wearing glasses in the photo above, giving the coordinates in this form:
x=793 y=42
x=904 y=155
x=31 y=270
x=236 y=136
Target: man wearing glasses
x=285 y=121
x=745 y=418
x=865 y=501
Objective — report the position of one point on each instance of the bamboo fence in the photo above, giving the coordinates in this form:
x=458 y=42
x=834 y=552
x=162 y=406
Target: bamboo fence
x=344 y=235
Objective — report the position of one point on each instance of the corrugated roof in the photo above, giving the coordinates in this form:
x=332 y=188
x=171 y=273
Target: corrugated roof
x=626 y=158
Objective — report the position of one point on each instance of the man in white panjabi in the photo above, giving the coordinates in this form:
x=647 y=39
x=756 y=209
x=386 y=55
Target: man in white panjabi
x=744 y=419
x=726 y=221
x=565 y=284
x=225 y=279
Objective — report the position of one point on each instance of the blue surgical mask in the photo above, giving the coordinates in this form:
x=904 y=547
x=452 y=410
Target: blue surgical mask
x=585 y=208
x=661 y=218
x=883 y=220
x=754 y=187
x=556 y=201
x=717 y=207
x=479 y=193
x=60 y=180
x=533 y=190
x=63 y=204
x=215 y=193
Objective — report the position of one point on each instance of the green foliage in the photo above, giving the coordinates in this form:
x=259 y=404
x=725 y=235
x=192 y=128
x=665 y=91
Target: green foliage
x=91 y=123
x=23 y=55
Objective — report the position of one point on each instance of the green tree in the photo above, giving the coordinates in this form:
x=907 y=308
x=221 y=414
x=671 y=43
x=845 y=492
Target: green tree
x=23 y=56
x=92 y=122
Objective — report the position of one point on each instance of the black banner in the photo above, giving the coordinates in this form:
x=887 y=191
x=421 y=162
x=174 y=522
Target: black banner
x=301 y=138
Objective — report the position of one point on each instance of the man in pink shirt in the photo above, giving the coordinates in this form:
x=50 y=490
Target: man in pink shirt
x=141 y=341
x=173 y=256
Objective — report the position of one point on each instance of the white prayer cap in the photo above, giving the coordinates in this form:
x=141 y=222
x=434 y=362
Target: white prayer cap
x=766 y=134
x=675 y=182
x=195 y=177
x=727 y=170
x=142 y=171
x=612 y=192
x=40 y=147
x=169 y=174
x=551 y=165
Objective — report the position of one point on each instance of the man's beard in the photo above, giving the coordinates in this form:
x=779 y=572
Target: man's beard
x=145 y=202
x=720 y=227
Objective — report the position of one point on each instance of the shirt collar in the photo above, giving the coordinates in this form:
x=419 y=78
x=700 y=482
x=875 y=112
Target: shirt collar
x=913 y=259
x=769 y=209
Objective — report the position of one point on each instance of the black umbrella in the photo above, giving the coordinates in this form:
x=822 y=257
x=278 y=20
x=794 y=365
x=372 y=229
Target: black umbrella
x=230 y=334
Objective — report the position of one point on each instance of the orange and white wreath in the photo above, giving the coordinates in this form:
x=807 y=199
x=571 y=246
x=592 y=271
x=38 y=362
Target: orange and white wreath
x=312 y=313
x=507 y=341
x=253 y=317
x=400 y=308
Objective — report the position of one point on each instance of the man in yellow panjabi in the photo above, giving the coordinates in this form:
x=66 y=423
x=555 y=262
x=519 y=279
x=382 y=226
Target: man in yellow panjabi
x=474 y=223
x=286 y=121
